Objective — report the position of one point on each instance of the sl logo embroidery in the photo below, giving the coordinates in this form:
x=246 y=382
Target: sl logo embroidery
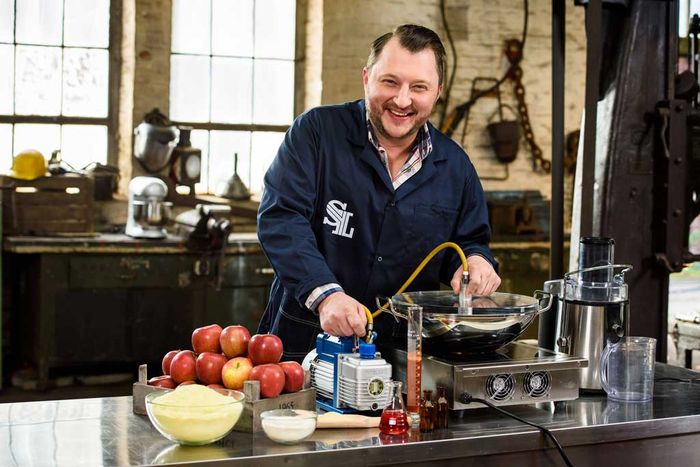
x=339 y=218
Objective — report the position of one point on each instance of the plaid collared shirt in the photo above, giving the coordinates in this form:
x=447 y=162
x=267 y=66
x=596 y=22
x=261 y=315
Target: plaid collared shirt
x=419 y=152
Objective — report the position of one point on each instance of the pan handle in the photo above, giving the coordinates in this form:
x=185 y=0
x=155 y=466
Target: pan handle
x=539 y=295
x=385 y=304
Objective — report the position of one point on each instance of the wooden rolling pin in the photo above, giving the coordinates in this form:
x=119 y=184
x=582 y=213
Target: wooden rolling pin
x=339 y=420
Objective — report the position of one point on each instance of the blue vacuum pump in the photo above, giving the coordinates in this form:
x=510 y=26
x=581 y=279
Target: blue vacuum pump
x=348 y=376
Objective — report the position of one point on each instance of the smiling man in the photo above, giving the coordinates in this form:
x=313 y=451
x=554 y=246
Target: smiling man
x=360 y=193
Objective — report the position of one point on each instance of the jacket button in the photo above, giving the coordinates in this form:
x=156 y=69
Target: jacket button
x=379 y=259
x=392 y=204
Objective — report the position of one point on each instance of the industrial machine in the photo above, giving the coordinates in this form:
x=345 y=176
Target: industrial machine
x=349 y=376
x=639 y=164
x=147 y=212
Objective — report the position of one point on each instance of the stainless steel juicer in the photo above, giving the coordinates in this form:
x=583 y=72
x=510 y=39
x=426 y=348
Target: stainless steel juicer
x=592 y=306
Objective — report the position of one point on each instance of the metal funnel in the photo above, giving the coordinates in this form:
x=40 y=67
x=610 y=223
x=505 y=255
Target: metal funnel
x=234 y=188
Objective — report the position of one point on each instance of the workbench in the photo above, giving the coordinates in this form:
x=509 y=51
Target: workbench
x=592 y=430
x=110 y=300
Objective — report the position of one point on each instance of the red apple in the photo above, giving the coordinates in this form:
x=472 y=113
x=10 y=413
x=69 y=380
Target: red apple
x=265 y=348
x=271 y=378
x=183 y=367
x=234 y=340
x=166 y=361
x=236 y=371
x=206 y=339
x=164 y=381
x=293 y=376
x=185 y=383
x=215 y=386
x=208 y=367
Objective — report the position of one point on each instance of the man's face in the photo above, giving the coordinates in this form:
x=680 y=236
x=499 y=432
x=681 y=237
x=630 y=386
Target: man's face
x=401 y=90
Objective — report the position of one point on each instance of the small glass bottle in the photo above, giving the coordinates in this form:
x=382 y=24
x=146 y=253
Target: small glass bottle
x=427 y=412
x=394 y=420
x=442 y=408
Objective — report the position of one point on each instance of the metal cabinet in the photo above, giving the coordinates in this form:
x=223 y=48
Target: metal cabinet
x=118 y=310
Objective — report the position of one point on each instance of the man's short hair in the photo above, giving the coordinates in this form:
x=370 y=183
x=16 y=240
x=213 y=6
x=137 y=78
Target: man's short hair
x=414 y=38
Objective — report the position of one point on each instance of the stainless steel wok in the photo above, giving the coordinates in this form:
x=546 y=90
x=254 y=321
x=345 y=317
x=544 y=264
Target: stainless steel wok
x=490 y=323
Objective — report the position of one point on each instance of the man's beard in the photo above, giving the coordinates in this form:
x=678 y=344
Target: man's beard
x=376 y=121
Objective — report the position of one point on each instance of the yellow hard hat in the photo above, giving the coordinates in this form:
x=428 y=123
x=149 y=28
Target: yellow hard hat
x=28 y=165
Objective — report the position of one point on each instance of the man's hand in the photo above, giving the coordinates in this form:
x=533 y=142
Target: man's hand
x=342 y=315
x=483 y=280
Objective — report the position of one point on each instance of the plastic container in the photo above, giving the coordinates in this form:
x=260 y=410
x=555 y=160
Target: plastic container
x=627 y=369
x=288 y=426
x=194 y=423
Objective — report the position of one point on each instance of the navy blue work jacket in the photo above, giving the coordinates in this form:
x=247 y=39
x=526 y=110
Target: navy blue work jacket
x=329 y=213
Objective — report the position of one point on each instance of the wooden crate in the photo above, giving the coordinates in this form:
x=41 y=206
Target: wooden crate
x=253 y=406
x=47 y=205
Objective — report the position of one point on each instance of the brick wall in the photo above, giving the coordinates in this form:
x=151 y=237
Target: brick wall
x=336 y=37
x=479 y=28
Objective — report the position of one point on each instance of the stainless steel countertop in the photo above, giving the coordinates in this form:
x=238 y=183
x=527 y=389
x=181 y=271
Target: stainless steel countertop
x=104 y=431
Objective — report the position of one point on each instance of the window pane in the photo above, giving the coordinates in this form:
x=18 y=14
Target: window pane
x=39 y=22
x=43 y=138
x=85 y=82
x=273 y=97
x=38 y=81
x=224 y=144
x=264 y=148
x=7 y=20
x=231 y=96
x=5 y=148
x=7 y=58
x=189 y=88
x=191 y=26
x=200 y=140
x=232 y=24
x=86 y=23
x=83 y=144
x=274 y=36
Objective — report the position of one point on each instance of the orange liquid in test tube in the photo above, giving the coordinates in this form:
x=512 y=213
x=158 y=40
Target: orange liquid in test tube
x=413 y=381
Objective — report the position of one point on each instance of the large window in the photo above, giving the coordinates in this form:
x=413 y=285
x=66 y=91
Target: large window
x=232 y=79
x=54 y=79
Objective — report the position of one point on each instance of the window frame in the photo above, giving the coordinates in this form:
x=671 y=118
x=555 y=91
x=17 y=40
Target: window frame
x=113 y=84
x=248 y=127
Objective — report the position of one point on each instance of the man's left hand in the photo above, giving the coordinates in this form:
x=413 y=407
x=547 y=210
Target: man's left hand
x=483 y=279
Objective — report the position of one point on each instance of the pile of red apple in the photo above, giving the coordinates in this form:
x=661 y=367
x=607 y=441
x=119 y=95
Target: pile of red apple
x=227 y=357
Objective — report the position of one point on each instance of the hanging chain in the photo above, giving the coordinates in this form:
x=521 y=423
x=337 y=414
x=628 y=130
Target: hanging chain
x=513 y=52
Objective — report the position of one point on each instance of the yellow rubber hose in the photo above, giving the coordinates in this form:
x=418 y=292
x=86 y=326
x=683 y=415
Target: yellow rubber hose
x=426 y=260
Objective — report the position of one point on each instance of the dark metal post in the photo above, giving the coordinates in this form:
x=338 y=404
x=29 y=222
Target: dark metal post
x=593 y=52
x=556 y=214
x=556 y=223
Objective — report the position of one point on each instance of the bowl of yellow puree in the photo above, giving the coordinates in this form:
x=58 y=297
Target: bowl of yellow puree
x=194 y=414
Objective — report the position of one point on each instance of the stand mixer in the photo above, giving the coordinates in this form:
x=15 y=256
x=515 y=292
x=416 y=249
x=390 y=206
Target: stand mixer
x=148 y=212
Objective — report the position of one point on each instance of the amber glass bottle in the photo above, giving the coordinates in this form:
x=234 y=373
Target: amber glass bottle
x=427 y=412
x=442 y=408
